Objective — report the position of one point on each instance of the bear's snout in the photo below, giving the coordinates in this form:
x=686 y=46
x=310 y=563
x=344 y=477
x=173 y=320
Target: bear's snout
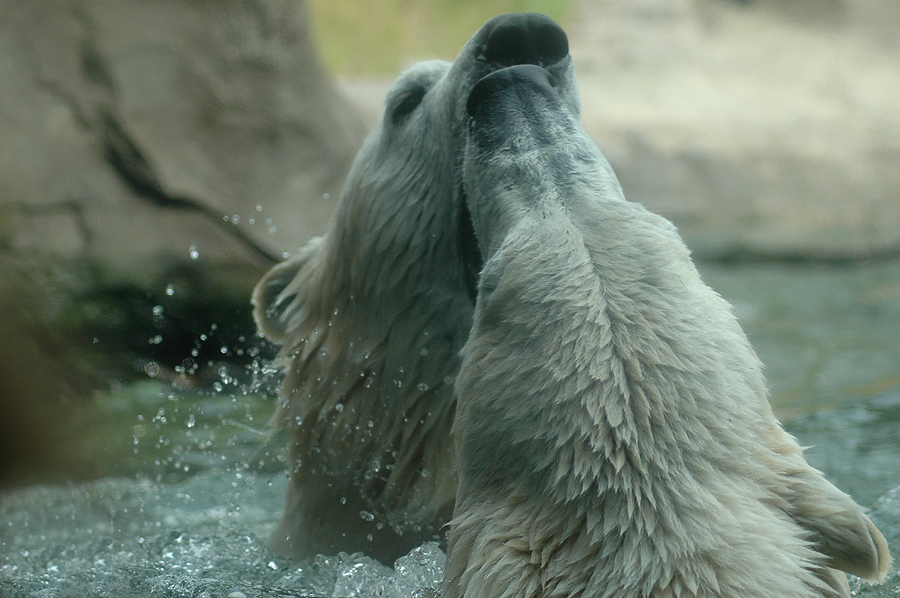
x=501 y=80
x=524 y=38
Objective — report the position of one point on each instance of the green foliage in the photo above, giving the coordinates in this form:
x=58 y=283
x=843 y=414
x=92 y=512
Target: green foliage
x=365 y=37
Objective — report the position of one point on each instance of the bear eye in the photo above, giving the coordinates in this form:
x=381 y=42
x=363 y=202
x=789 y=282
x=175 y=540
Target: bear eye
x=406 y=103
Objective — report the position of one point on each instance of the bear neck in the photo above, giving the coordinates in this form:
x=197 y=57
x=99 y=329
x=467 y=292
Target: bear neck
x=602 y=327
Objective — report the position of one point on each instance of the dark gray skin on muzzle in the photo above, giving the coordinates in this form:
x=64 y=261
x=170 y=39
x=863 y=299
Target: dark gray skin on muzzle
x=511 y=41
x=525 y=141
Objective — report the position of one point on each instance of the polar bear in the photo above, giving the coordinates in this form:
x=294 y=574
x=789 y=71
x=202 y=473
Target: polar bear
x=371 y=316
x=613 y=430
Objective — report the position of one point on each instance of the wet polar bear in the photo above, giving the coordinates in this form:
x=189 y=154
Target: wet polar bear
x=372 y=315
x=614 y=435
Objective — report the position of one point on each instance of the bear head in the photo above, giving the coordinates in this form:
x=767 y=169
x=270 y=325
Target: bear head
x=371 y=316
x=613 y=429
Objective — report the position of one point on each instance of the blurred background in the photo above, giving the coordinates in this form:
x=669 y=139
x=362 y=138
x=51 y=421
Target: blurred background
x=156 y=157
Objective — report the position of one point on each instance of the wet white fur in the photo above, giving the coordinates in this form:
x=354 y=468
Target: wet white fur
x=615 y=438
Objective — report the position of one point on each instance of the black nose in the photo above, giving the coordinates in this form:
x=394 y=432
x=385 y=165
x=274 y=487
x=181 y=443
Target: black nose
x=524 y=38
x=505 y=78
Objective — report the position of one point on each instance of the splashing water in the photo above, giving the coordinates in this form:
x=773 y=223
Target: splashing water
x=204 y=534
x=199 y=537
x=195 y=487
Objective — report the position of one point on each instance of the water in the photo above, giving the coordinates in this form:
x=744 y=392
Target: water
x=200 y=537
x=192 y=487
x=827 y=336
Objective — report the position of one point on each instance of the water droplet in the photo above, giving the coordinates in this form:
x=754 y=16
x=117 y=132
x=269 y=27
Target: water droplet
x=157 y=310
x=151 y=368
x=422 y=386
x=170 y=290
x=156 y=340
x=367 y=516
x=193 y=252
x=191 y=421
x=235 y=219
x=258 y=208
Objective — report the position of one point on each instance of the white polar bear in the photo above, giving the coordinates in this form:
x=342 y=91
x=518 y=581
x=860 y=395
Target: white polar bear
x=372 y=315
x=613 y=428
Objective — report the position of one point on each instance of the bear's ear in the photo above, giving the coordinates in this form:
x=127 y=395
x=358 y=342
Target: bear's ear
x=840 y=529
x=276 y=296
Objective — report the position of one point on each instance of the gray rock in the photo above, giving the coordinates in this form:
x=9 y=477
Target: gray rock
x=765 y=129
x=144 y=137
x=183 y=144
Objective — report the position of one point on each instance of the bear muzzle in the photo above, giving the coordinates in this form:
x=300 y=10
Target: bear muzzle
x=528 y=75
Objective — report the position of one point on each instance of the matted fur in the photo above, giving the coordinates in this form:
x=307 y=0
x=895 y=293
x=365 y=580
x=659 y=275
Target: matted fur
x=614 y=433
x=371 y=318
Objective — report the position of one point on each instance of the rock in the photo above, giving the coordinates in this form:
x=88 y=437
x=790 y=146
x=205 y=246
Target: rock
x=182 y=147
x=40 y=377
x=142 y=138
x=765 y=129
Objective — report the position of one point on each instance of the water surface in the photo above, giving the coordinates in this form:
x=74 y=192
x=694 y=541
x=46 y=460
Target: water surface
x=193 y=486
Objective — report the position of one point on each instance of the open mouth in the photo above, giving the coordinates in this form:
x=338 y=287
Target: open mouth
x=470 y=254
x=510 y=42
x=486 y=88
x=491 y=84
